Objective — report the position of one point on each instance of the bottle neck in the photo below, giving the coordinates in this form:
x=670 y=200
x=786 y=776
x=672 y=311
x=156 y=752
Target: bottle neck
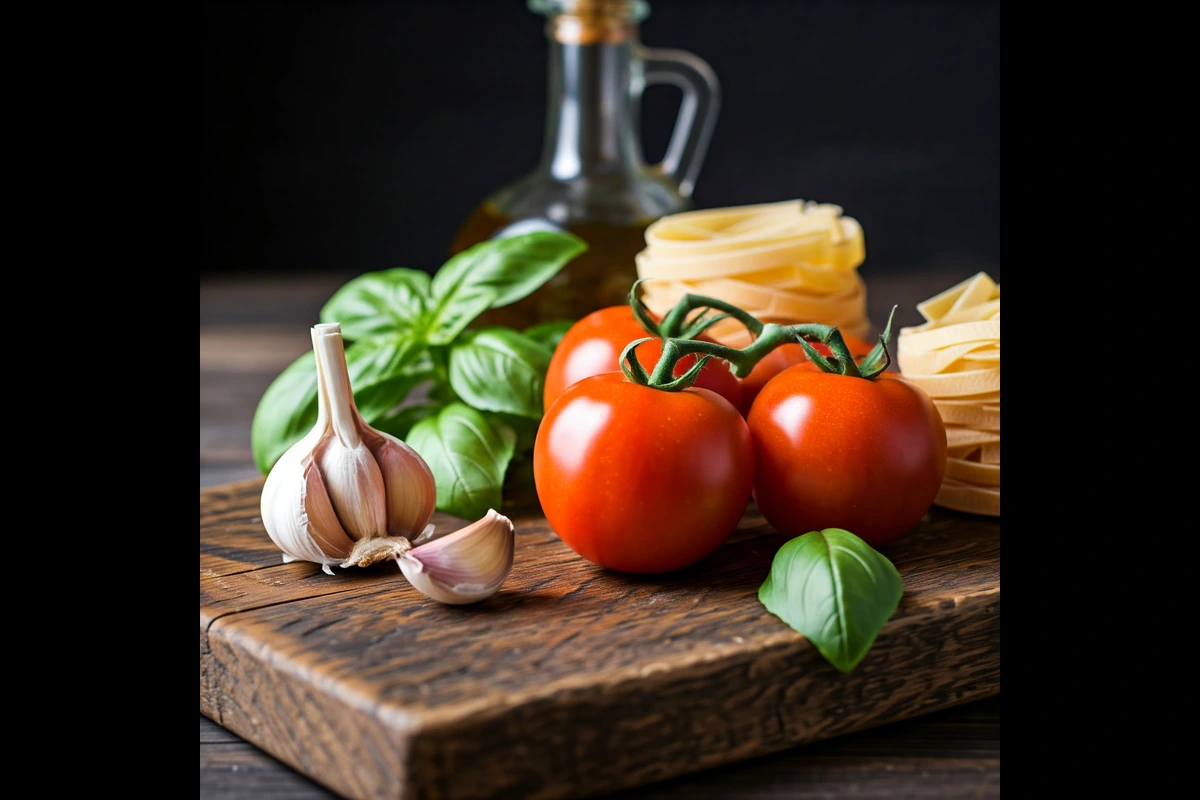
x=591 y=117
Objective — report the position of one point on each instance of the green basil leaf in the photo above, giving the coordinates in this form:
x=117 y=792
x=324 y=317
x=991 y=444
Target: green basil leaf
x=550 y=333
x=288 y=408
x=523 y=428
x=498 y=369
x=510 y=268
x=468 y=456
x=835 y=589
x=376 y=401
x=453 y=318
x=286 y=411
x=401 y=421
x=377 y=368
x=379 y=303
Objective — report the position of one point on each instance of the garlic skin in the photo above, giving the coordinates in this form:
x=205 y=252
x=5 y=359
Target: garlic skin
x=346 y=493
x=465 y=566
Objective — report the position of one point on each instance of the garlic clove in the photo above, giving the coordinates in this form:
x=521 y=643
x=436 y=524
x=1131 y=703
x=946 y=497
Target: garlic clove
x=323 y=524
x=282 y=509
x=298 y=515
x=355 y=487
x=408 y=483
x=465 y=566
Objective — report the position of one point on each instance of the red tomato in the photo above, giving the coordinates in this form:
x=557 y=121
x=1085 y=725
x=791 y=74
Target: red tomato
x=788 y=355
x=839 y=452
x=641 y=480
x=593 y=344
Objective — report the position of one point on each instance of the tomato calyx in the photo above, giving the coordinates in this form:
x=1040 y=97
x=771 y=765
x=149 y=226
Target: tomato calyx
x=660 y=379
x=842 y=362
x=768 y=337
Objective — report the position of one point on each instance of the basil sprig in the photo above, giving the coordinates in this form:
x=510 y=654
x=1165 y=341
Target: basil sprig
x=835 y=589
x=465 y=400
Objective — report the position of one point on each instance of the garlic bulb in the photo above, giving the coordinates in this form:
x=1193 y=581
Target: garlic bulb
x=350 y=495
x=346 y=493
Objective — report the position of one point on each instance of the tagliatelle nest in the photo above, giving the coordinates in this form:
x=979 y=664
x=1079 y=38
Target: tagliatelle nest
x=955 y=357
x=783 y=262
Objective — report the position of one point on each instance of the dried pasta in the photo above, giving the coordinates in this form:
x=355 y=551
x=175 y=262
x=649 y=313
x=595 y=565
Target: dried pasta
x=955 y=357
x=783 y=262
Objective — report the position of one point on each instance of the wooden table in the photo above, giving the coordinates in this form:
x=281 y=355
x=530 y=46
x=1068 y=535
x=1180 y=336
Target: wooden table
x=252 y=327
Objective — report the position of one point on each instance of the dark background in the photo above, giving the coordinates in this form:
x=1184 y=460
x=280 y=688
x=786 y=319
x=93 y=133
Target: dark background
x=356 y=136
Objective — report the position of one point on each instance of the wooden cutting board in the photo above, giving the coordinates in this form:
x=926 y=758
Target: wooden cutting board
x=573 y=680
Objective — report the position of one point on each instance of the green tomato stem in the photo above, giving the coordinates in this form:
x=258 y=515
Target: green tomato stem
x=673 y=323
x=770 y=336
x=641 y=313
x=676 y=325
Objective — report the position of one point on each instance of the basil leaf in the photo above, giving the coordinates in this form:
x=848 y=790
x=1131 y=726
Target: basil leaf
x=286 y=411
x=835 y=589
x=376 y=401
x=288 y=408
x=550 y=333
x=453 y=318
x=468 y=456
x=523 y=428
x=401 y=421
x=379 y=303
x=509 y=268
x=513 y=267
x=498 y=369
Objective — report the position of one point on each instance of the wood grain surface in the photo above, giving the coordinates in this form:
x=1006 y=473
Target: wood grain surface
x=945 y=754
x=291 y=626
x=572 y=680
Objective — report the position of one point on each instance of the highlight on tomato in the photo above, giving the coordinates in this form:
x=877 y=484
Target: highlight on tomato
x=643 y=472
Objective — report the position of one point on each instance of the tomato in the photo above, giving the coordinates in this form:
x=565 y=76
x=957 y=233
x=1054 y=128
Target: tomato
x=835 y=451
x=594 y=344
x=641 y=480
x=785 y=356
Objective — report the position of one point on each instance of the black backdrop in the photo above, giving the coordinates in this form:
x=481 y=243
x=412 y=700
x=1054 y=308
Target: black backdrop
x=356 y=136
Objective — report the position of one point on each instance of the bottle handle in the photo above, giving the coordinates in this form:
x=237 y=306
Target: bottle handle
x=697 y=112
